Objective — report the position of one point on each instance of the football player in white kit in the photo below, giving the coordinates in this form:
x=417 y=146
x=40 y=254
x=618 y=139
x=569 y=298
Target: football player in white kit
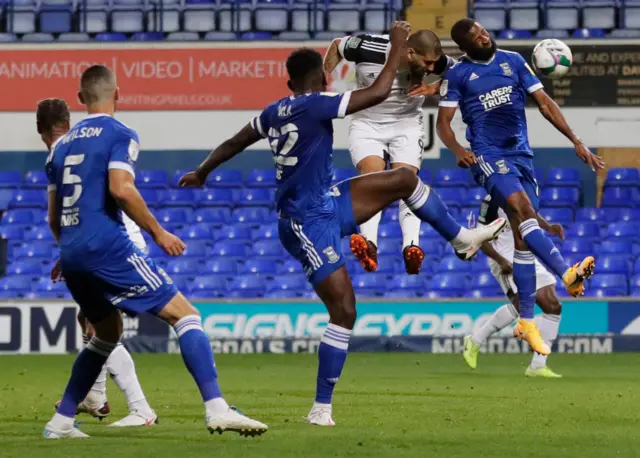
x=53 y=122
x=392 y=131
x=500 y=253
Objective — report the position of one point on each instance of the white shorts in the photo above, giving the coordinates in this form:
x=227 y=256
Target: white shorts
x=543 y=277
x=401 y=141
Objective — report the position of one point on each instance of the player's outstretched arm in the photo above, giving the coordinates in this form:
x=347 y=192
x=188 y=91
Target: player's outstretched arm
x=124 y=191
x=381 y=87
x=464 y=158
x=332 y=57
x=246 y=137
x=552 y=113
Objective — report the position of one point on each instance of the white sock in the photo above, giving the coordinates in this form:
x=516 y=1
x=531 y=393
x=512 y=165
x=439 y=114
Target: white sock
x=61 y=422
x=410 y=225
x=99 y=388
x=501 y=318
x=121 y=366
x=216 y=406
x=369 y=229
x=548 y=326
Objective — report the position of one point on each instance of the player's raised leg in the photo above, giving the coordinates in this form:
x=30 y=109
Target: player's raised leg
x=371 y=193
x=198 y=357
x=88 y=364
x=364 y=245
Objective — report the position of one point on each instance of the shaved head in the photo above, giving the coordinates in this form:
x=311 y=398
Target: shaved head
x=97 y=85
x=425 y=42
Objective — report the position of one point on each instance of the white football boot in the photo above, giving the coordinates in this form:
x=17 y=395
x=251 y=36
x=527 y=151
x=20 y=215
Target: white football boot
x=481 y=235
x=233 y=420
x=320 y=415
x=136 y=418
x=51 y=432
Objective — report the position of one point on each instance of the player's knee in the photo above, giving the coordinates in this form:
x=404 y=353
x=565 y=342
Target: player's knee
x=404 y=179
x=555 y=307
x=110 y=328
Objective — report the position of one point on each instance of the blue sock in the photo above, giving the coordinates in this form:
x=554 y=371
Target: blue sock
x=332 y=354
x=427 y=205
x=85 y=370
x=542 y=246
x=198 y=356
x=524 y=276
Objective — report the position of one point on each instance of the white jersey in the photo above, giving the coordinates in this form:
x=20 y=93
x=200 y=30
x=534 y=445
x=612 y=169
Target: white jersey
x=369 y=53
x=135 y=234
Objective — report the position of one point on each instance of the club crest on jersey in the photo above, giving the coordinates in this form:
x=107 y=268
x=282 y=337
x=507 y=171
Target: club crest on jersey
x=353 y=42
x=331 y=254
x=133 y=151
x=502 y=167
x=506 y=69
x=444 y=88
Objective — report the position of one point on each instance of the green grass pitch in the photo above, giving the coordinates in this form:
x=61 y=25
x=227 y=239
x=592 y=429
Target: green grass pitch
x=386 y=405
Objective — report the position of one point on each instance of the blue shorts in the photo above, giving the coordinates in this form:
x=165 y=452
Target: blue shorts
x=132 y=283
x=316 y=241
x=504 y=176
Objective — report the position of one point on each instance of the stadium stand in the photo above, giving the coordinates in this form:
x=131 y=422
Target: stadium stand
x=233 y=249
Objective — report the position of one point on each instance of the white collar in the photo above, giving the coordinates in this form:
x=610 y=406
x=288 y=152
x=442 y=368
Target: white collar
x=53 y=145
x=96 y=115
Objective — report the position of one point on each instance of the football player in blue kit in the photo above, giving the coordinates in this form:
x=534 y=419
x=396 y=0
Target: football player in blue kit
x=91 y=173
x=491 y=86
x=313 y=216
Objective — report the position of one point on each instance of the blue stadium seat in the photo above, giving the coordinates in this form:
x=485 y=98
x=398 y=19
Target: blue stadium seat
x=407 y=282
x=235 y=233
x=400 y=295
x=282 y=294
x=302 y=19
x=22 y=19
x=517 y=34
x=289 y=266
x=249 y=284
x=440 y=294
x=259 y=266
x=46 y=285
x=74 y=37
x=271 y=16
x=614 y=264
x=214 y=197
x=253 y=197
x=266 y=231
x=609 y=281
x=19 y=285
x=577 y=246
x=150 y=196
x=127 y=19
x=585 y=230
x=38 y=37
x=294 y=36
x=6 y=195
x=453 y=197
x=425 y=176
x=183 y=36
x=599 y=14
x=214 y=285
x=560 y=197
x=524 y=15
x=635 y=281
x=261 y=178
x=343 y=174
x=197 y=248
x=147 y=36
x=10 y=180
x=229 y=249
x=174 y=215
x=389 y=246
x=343 y=18
x=491 y=14
x=181 y=197
x=560 y=177
x=225 y=179
x=268 y=249
x=199 y=231
x=152 y=179
x=42 y=250
x=390 y=214
x=606 y=292
x=625 y=33
x=220 y=266
x=371 y=282
x=623 y=215
x=629 y=231
x=630 y=14
x=107 y=36
x=251 y=215
x=548 y=33
x=376 y=19
x=475 y=196
x=55 y=16
x=35 y=179
x=242 y=294
x=454 y=264
x=215 y=216
x=451 y=177
x=615 y=196
x=218 y=36
x=455 y=283
x=289 y=283
x=612 y=247
x=389 y=231
x=623 y=177
x=32 y=268
x=39 y=234
x=29 y=198
x=183 y=267
x=8 y=37
x=562 y=14
x=596 y=215
x=483 y=281
x=11 y=233
x=557 y=215
x=589 y=33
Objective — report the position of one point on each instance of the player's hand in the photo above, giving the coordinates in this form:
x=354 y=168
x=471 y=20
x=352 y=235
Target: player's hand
x=557 y=229
x=426 y=89
x=400 y=31
x=506 y=268
x=191 y=180
x=169 y=243
x=56 y=272
x=593 y=161
x=466 y=160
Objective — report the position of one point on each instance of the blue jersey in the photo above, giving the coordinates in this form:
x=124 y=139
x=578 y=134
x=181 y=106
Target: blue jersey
x=300 y=132
x=91 y=227
x=492 y=97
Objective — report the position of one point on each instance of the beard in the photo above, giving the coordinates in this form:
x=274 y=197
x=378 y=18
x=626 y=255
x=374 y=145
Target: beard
x=483 y=54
